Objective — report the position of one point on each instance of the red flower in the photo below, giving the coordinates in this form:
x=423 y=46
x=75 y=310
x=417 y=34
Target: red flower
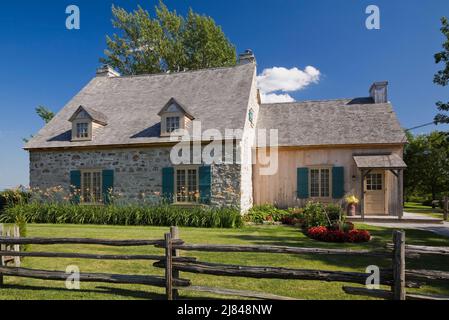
x=326 y=235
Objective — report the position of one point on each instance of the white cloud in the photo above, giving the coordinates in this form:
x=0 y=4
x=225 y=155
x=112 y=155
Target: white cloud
x=281 y=80
x=275 y=98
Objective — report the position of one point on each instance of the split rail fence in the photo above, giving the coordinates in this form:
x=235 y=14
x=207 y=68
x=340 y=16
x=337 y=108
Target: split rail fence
x=398 y=278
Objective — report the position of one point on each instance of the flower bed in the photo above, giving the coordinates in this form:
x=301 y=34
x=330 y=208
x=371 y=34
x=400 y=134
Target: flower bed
x=328 y=235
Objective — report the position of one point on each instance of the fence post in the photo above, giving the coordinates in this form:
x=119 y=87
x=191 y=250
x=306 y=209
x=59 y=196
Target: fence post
x=16 y=246
x=168 y=267
x=2 y=258
x=398 y=286
x=446 y=208
x=174 y=231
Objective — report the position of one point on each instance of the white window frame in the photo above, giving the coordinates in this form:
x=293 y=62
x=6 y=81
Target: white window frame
x=172 y=124
x=91 y=186
x=186 y=184
x=320 y=196
x=75 y=132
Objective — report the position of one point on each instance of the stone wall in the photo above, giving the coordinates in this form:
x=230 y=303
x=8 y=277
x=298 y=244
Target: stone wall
x=136 y=172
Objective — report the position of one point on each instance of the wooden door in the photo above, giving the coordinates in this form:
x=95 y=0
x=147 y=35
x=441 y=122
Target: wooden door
x=375 y=193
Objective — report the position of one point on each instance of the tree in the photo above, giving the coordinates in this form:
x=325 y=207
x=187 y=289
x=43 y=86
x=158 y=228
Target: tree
x=427 y=158
x=442 y=77
x=45 y=114
x=167 y=43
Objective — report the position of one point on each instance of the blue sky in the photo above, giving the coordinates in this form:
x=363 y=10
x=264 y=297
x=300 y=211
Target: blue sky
x=43 y=63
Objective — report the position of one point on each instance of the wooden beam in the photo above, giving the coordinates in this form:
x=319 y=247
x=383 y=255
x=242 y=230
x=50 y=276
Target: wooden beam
x=383 y=294
x=412 y=249
x=91 y=277
x=276 y=273
x=16 y=247
x=168 y=267
x=237 y=293
x=174 y=231
x=117 y=243
x=91 y=256
x=398 y=287
x=427 y=275
x=280 y=250
x=362 y=194
x=400 y=205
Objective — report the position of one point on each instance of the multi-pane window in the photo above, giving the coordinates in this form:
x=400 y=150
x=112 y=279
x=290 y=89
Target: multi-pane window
x=91 y=186
x=172 y=124
x=187 y=185
x=374 y=181
x=82 y=130
x=320 y=183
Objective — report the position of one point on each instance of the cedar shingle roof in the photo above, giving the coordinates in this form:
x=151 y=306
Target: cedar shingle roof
x=332 y=122
x=217 y=97
x=93 y=114
x=392 y=161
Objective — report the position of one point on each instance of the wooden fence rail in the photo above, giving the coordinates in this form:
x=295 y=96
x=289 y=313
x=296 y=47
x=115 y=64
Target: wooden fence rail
x=397 y=277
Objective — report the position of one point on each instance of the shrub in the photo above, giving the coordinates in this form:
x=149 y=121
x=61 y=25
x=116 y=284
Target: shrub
x=335 y=213
x=328 y=235
x=317 y=214
x=314 y=215
x=13 y=197
x=163 y=215
x=260 y=214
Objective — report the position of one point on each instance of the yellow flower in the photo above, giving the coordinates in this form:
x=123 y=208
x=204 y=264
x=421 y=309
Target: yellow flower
x=352 y=199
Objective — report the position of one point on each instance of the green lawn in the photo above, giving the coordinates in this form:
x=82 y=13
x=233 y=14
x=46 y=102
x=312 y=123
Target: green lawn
x=415 y=207
x=21 y=288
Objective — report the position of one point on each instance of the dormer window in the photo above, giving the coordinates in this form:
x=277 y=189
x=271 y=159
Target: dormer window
x=84 y=123
x=82 y=130
x=172 y=124
x=174 y=116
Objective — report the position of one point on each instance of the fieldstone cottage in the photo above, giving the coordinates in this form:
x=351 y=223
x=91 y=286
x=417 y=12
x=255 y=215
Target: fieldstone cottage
x=117 y=134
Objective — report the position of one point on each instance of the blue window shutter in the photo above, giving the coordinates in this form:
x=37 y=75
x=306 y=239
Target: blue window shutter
x=168 y=184
x=338 y=182
x=303 y=183
x=205 y=184
x=108 y=185
x=75 y=186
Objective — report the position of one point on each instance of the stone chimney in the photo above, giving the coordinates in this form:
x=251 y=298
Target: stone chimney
x=107 y=71
x=379 y=92
x=246 y=57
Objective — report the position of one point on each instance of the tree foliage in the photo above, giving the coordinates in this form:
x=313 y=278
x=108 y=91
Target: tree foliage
x=427 y=158
x=168 y=42
x=45 y=114
x=442 y=77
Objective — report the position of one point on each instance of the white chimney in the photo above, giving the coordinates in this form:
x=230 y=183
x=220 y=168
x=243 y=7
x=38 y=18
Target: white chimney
x=379 y=92
x=246 y=57
x=107 y=71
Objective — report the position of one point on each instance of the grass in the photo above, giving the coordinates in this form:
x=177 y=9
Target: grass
x=415 y=207
x=21 y=288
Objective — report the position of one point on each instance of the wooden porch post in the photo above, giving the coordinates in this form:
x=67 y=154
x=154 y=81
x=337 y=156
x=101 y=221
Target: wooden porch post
x=362 y=193
x=400 y=205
